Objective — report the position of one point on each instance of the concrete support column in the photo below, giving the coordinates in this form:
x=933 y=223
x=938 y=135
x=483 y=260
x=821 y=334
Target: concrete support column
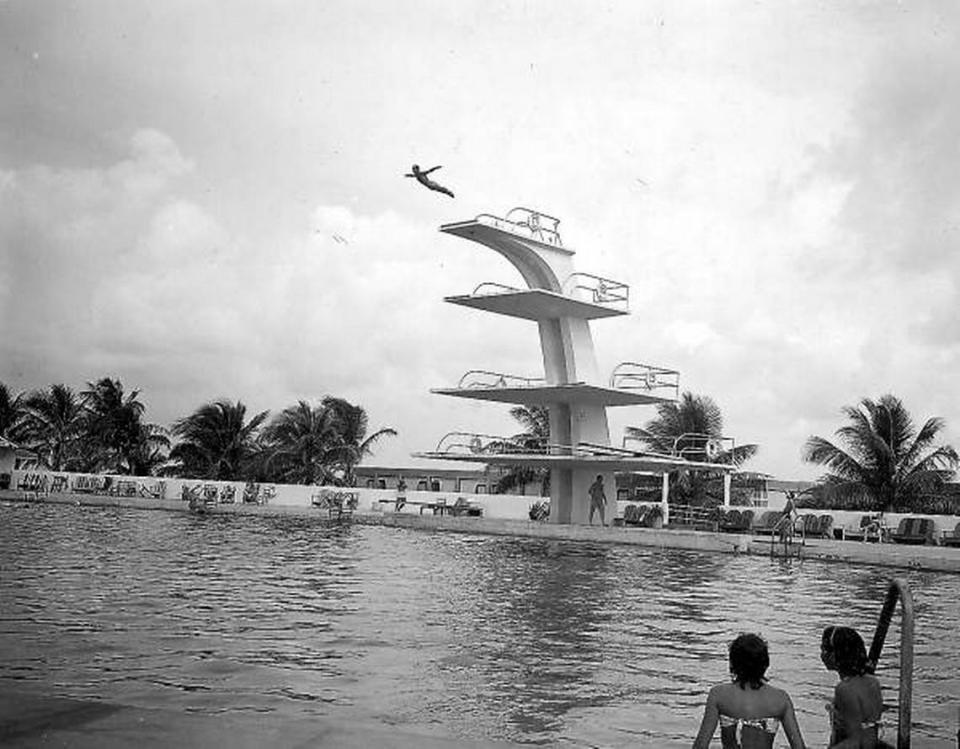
x=664 y=497
x=727 y=478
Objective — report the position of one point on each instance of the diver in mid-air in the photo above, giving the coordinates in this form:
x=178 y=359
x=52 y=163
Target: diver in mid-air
x=423 y=179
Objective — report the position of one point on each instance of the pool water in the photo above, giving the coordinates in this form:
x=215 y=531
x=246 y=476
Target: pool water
x=559 y=644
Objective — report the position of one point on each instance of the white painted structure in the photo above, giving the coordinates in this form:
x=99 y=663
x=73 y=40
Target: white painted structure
x=562 y=302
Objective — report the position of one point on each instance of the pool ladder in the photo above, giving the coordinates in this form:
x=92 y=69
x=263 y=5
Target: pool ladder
x=898 y=591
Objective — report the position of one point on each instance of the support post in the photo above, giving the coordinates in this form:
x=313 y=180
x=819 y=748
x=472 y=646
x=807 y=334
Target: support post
x=727 y=480
x=664 y=496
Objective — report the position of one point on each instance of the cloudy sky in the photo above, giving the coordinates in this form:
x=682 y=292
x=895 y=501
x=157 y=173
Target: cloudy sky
x=205 y=199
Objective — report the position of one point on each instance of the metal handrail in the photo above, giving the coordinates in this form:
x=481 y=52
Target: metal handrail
x=476 y=443
x=898 y=590
x=602 y=290
x=499 y=288
x=530 y=224
x=634 y=375
x=500 y=380
x=709 y=444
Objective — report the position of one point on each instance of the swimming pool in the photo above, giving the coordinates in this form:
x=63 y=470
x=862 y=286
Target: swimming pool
x=558 y=644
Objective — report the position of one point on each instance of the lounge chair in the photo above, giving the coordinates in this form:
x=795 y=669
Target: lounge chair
x=731 y=522
x=630 y=513
x=951 y=538
x=746 y=521
x=766 y=524
x=914 y=531
x=868 y=530
x=808 y=525
x=825 y=529
x=462 y=507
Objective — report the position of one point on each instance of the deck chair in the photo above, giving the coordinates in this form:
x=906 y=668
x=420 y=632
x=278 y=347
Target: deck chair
x=766 y=524
x=731 y=521
x=630 y=515
x=825 y=523
x=463 y=507
x=746 y=520
x=951 y=538
x=809 y=525
x=913 y=531
x=867 y=530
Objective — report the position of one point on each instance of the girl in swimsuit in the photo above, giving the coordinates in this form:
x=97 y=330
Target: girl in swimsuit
x=857 y=699
x=748 y=710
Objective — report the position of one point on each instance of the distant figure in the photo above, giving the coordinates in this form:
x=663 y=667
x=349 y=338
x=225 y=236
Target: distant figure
x=784 y=526
x=598 y=500
x=423 y=179
x=748 y=710
x=857 y=699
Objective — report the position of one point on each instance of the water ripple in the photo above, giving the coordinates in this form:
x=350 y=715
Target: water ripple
x=537 y=642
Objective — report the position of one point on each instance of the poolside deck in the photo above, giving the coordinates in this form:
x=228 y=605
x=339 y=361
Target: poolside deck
x=932 y=558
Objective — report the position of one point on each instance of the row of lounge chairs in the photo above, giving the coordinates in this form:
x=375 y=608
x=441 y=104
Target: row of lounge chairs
x=768 y=523
x=910 y=530
x=641 y=516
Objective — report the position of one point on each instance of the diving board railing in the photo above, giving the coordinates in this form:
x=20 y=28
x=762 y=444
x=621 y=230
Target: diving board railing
x=492 y=287
x=458 y=443
x=636 y=376
x=695 y=446
x=601 y=290
x=527 y=223
x=898 y=591
x=482 y=379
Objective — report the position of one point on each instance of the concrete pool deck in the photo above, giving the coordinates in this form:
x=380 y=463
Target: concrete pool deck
x=932 y=558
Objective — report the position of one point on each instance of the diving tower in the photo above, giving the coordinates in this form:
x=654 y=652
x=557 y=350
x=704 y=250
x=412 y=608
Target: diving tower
x=562 y=302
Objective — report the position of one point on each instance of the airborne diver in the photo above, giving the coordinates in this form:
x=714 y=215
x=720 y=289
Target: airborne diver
x=423 y=179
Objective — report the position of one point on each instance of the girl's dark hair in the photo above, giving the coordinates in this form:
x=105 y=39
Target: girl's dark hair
x=826 y=639
x=849 y=652
x=749 y=660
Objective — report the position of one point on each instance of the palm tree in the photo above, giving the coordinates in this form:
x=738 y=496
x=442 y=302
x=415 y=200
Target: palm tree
x=534 y=438
x=688 y=428
x=12 y=413
x=53 y=426
x=351 y=424
x=216 y=441
x=884 y=462
x=114 y=424
x=302 y=443
x=148 y=454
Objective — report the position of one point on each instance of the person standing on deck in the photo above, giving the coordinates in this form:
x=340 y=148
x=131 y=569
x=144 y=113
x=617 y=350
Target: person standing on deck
x=598 y=500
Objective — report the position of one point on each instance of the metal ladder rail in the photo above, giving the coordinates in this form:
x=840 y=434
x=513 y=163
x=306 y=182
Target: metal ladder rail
x=898 y=590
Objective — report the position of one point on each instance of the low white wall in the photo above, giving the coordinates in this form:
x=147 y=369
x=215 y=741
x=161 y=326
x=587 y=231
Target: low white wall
x=507 y=506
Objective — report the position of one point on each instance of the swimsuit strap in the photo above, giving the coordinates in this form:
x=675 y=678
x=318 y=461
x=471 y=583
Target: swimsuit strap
x=767 y=725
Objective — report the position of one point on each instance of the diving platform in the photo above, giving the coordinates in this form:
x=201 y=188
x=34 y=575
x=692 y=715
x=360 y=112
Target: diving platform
x=468 y=447
x=607 y=299
x=562 y=301
x=547 y=395
x=630 y=384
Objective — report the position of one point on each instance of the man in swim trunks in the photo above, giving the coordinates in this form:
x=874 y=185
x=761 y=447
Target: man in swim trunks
x=598 y=500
